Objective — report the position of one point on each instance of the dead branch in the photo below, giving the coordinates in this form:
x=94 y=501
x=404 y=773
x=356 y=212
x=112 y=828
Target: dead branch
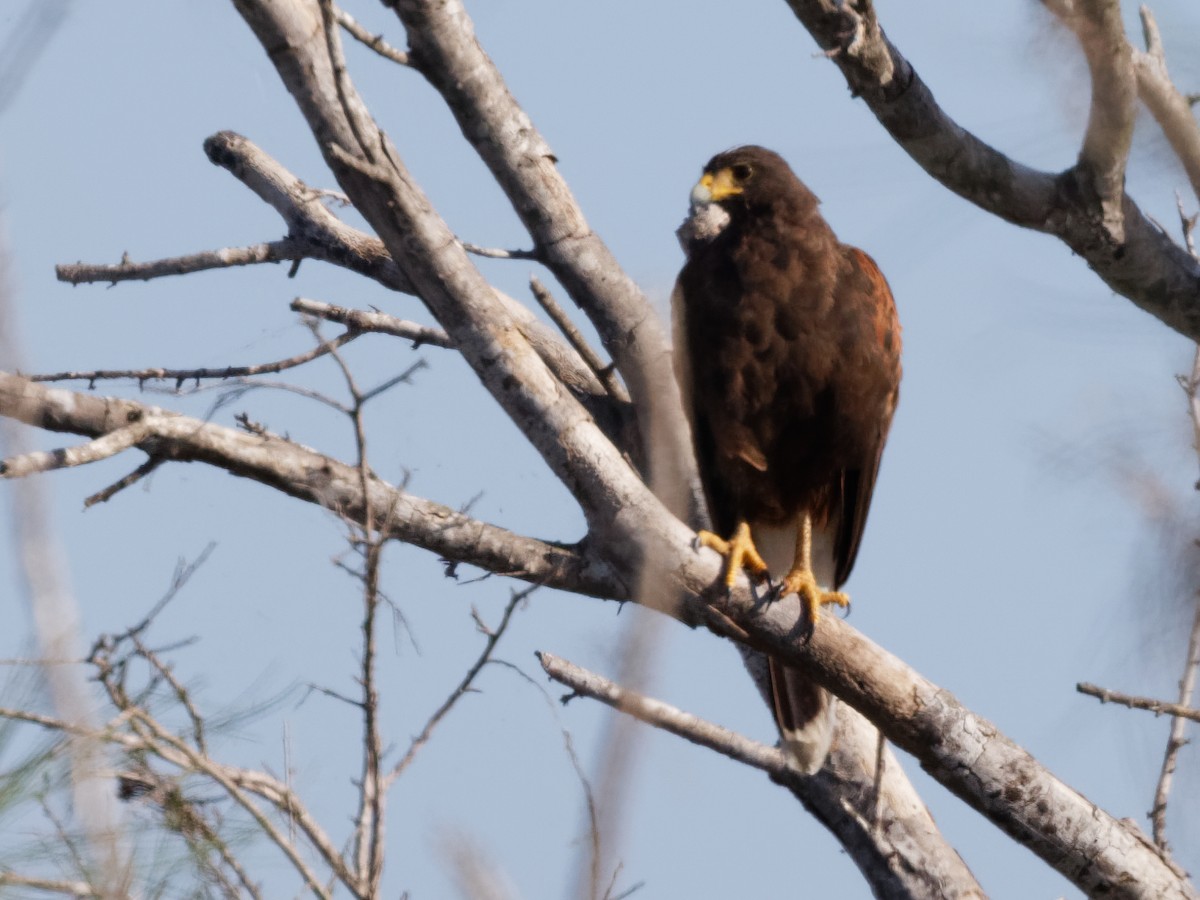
x=8 y=878
x=179 y=376
x=1109 y=135
x=1172 y=109
x=558 y=316
x=1158 y=707
x=1178 y=737
x=232 y=257
x=102 y=447
x=1146 y=265
x=315 y=478
x=442 y=39
x=771 y=760
x=493 y=638
x=373 y=320
x=374 y=41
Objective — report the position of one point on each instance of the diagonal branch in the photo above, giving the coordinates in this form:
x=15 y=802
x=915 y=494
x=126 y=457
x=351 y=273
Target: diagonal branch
x=1171 y=109
x=662 y=715
x=316 y=233
x=374 y=41
x=444 y=48
x=306 y=51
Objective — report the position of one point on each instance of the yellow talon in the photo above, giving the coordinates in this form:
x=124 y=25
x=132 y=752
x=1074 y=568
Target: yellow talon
x=801 y=582
x=739 y=552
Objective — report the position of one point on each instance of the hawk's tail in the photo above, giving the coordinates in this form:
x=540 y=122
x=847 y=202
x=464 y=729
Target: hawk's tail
x=805 y=714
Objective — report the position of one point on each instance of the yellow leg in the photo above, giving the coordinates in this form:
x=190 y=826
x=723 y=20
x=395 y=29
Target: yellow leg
x=739 y=552
x=801 y=581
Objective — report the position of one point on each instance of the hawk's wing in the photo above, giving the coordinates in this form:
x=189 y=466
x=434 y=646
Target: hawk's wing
x=865 y=284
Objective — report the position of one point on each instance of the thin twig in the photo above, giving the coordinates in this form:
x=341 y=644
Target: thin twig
x=404 y=377
x=201 y=763
x=373 y=320
x=493 y=638
x=604 y=371
x=117 y=486
x=285 y=250
x=374 y=41
x=9 y=878
x=179 y=376
x=593 y=815
x=1187 y=683
x=1158 y=707
x=496 y=253
x=1178 y=736
x=771 y=760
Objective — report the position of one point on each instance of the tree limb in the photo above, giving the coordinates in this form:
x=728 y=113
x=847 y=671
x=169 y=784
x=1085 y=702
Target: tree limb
x=876 y=815
x=445 y=50
x=1171 y=109
x=311 y=476
x=1146 y=266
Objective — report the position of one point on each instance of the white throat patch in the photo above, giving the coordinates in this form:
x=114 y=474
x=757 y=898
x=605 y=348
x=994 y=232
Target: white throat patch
x=706 y=221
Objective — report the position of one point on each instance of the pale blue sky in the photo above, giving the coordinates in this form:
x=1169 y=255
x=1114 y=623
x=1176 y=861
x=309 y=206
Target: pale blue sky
x=1007 y=555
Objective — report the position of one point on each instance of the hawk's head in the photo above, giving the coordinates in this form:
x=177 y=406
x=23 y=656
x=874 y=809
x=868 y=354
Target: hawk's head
x=737 y=182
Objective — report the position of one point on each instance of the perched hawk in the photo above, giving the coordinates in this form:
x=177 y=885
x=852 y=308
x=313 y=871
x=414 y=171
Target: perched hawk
x=788 y=354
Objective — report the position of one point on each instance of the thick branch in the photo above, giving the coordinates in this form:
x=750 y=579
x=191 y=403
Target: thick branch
x=876 y=815
x=303 y=42
x=1110 y=120
x=444 y=48
x=964 y=752
x=311 y=476
x=1147 y=266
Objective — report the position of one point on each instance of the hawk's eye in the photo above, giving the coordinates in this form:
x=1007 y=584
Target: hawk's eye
x=742 y=171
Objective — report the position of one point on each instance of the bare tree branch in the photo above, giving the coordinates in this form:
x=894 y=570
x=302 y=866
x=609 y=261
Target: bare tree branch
x=179 y=376
x=887 y=818
x=445 y=50
x=493 y=638
x=128 y=270
x=373 y=320
x=9 y=878
x=1178 y=737
x=374 y=41
x=1158 y=707
x=771 y=760
x=1170 y=108
x=369 y=169
x=558 y=315
x=311 y=476
x=1146 y=265
x=1097 y=24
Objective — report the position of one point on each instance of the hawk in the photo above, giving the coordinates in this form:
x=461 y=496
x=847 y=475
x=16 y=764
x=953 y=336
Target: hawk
x=787 y=350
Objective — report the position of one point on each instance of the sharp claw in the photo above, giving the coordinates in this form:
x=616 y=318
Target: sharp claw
x=774 y=591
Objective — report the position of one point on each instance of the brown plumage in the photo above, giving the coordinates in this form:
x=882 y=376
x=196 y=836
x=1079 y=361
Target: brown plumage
x=788 y=351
